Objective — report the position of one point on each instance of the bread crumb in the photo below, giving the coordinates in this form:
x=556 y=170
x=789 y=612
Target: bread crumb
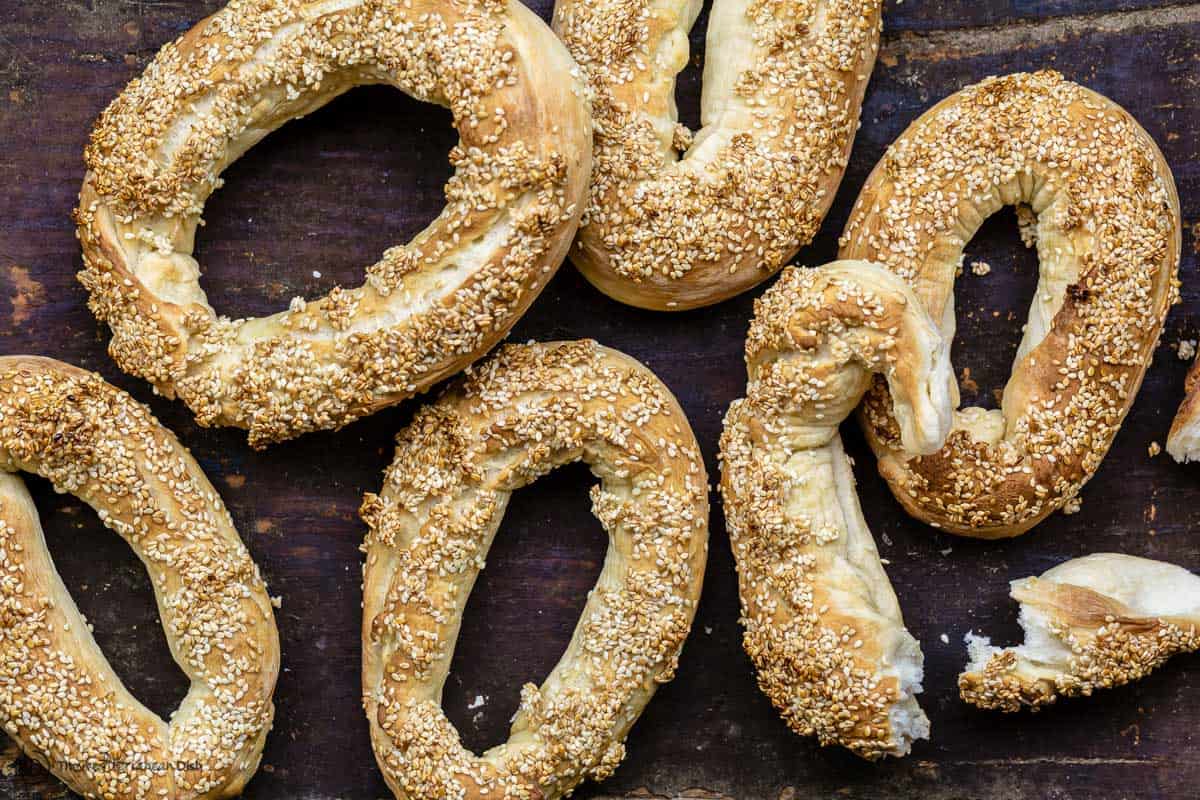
x=1153 y=449
x=277 y=601
x=945 y=639
x=477 y=702
x=981 y=268
x=967 y=383
x=1187 y=349
x=1073 y=505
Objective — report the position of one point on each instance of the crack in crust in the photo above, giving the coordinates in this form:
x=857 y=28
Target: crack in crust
x=783 y=88
x=1083 y=637
x=59 y=698
x=822 y=623
x=522 y=413
x=427 y=308
x=1109 y=239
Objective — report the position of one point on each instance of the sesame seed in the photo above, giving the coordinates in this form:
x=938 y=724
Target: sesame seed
x=1095 y=189
x=1099 y=610
x=59 y=698
x=829 y=646
x=428 y=308
x=693 y=230
x=514 y=417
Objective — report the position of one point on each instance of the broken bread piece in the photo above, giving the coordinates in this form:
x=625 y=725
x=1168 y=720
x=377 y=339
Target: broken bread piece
x=1091 y=623
x=823 y=625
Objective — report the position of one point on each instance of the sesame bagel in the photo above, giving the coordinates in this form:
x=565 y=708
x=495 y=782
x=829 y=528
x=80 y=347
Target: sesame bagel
x=60 y=700
x=1108 y=239
x=427 y=308
x=1091 y=623
x=677 y=220
x=522 y=413
x=823 y=626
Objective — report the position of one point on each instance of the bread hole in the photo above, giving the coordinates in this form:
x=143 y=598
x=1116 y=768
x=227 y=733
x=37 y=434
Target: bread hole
x=991 y=299
x=689 y=82
x=363 y=174
x=113 y=592
x=519 y=619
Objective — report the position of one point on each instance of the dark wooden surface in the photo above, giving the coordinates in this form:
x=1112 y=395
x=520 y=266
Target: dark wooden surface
x=314 y=203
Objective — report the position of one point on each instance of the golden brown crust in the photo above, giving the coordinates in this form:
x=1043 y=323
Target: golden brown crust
x=1109 y=239
x=59 y=698
x=428 y=308
x=822 y=624
x=518 y=415
x=783 y=88
x=1087 y=638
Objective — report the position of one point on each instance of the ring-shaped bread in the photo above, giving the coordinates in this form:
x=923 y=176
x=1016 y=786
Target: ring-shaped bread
x=514 y=418
x=59 y=698
x=677 y=220
x=1090 y=623
x=427 y=308
x=823 y=626
x=1108 y=238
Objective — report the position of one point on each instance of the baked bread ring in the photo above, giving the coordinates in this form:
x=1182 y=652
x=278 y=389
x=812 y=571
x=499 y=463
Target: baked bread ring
x=823 y=626
x=783 y=89
x=1183 y=441
x=427 y=308
x=59 y=698
x=1108 y=238
x=525 y=411
x=1091 y=623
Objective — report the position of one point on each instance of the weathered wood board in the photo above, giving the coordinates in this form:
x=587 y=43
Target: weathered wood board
x=314 y=203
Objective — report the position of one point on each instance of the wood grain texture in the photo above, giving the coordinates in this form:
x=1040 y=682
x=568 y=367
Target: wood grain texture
x=316 y=202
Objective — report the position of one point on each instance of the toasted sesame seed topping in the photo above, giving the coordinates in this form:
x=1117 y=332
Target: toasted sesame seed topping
x=822 y=624
x=427 y=308
x=784 y=82
x=1101 y=621
x=59 y=698
x=518 y=415
x=1108 y=238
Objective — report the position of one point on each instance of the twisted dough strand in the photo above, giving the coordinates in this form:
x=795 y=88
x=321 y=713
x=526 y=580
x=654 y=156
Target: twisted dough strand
x=823 y=626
